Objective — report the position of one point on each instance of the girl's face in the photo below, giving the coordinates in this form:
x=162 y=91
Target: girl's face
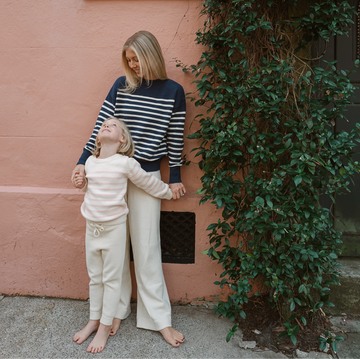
x=133 y=61
x=110 y=131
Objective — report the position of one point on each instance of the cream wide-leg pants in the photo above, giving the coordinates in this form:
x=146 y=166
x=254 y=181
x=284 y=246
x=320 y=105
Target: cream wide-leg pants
x=153 y=304
x=105 y=256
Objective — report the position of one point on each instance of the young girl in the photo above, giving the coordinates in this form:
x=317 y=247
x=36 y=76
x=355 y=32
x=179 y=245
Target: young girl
x=153 y=108
x=105 y=210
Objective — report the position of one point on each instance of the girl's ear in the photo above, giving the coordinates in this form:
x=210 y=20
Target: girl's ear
x=122 y=139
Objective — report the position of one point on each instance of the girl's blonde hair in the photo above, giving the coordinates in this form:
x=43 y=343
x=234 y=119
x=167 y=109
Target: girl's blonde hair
x=127 y=148
x=151 y=60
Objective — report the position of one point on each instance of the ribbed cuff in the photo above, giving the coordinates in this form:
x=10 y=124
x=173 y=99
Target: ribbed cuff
x=85 y=155
x=169 y=194
x=175 y=176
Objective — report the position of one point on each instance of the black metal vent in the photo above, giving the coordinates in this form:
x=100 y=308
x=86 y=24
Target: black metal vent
x=177 y=233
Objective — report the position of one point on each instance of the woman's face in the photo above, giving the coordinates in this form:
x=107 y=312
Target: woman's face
x=133 y=61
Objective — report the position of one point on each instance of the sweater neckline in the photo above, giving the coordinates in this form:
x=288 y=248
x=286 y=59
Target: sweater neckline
x=107 y=159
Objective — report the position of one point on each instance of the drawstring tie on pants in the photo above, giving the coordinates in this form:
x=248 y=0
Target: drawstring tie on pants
x=98 y=228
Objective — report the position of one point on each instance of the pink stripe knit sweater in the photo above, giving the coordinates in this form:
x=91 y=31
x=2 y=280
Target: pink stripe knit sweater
x=107 y=186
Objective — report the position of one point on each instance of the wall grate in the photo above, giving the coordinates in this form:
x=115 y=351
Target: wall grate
x=177 y=233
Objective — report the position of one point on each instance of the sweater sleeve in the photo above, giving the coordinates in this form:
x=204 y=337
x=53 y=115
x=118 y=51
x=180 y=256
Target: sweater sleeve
x=175 y=136
x=146 y=181
x=107 y=110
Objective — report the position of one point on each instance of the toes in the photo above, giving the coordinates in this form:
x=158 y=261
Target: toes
x=77 y=340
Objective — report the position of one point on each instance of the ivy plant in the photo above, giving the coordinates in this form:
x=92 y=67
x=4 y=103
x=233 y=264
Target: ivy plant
x=268 y=149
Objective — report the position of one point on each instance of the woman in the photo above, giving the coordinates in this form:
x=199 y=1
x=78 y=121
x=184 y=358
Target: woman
x=153 y=108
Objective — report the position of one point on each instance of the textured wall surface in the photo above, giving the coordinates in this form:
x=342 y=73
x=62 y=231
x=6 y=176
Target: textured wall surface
x=58 y=60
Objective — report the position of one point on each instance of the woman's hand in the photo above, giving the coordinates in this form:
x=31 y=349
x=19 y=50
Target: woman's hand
x=177 y=189
x=78 y=170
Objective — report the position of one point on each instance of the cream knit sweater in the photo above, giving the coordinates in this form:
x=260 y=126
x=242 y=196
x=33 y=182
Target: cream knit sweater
x=107 y=185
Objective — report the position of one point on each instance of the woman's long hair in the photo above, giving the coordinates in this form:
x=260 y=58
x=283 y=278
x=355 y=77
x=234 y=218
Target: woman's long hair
x=151 y=60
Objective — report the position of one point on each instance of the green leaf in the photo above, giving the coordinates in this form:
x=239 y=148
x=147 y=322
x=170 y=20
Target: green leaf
x=215 y=254
x=298 y=179
x=293 y=339
x=260 y=201
x=229 y=336
x=287 y=80
x=279 y=152
x=212 y=226
x=206 y=251
x=303 y=319
x=288 y=143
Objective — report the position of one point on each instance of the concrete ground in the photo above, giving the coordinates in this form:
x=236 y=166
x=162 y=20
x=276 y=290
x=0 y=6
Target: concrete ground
x=349 y=329
x=44 y=327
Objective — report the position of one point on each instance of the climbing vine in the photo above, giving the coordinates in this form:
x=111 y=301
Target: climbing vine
x=269 y=151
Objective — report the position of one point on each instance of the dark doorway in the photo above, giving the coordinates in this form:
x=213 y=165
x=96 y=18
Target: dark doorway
x=346 y=49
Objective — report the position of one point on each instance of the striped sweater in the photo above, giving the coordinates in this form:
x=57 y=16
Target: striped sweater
x=107 y=185
x=155 y=116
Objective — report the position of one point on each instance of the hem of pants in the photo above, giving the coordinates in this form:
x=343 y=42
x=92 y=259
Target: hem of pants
x=153 y=326
x=95 y=315
x=123 y=317
x=106 y=320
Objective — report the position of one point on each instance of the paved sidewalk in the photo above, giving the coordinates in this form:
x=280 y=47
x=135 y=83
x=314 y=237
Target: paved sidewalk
x=44 y=327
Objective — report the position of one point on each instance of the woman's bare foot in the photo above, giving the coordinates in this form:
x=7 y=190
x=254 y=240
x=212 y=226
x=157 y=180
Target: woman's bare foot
x=115 y=326
x=98 y=343
x=91 y=327
x=172 y=336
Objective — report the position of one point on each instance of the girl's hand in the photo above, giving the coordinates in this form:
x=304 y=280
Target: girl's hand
x=79 y=181
x=178 y=190
x=78 y=170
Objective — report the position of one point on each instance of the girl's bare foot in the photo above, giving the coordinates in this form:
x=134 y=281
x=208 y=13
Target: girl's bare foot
x=115 y=326
x=172 y=336
x=98 y=343
x=83 y=334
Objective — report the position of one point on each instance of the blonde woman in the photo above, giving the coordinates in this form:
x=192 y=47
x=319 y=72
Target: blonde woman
x=153 y=108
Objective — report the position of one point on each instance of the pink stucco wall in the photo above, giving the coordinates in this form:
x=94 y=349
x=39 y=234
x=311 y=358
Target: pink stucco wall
x=58 y=60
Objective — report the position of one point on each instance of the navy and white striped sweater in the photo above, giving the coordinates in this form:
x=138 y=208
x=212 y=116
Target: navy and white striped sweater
x=155 y=116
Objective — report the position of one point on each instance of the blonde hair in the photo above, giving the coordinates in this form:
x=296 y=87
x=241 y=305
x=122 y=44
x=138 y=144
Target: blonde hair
x=126 y=149
x=151 y=60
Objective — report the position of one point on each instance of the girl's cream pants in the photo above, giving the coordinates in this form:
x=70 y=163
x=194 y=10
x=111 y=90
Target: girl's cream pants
x=105 y=257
